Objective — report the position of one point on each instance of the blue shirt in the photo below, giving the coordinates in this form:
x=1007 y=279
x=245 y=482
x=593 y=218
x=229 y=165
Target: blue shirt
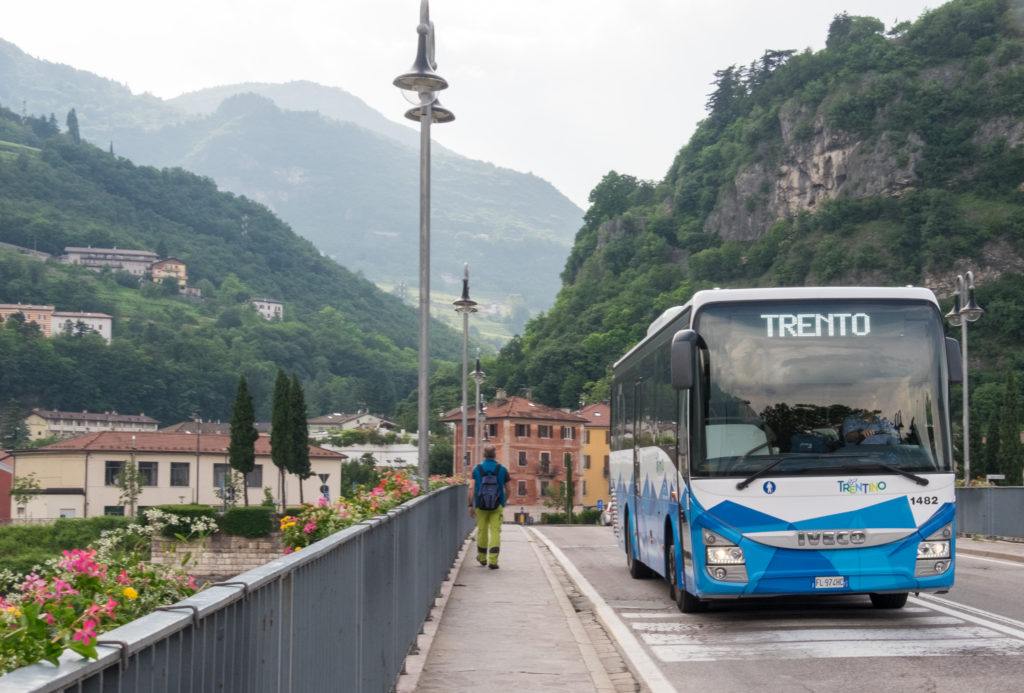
x=487 y=467
x=881 y=430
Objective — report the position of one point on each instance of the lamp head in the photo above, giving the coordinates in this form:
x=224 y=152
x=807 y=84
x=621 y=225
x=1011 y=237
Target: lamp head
x=438 y=113
x=465 y=304
x=422 y=77
x=971 y=310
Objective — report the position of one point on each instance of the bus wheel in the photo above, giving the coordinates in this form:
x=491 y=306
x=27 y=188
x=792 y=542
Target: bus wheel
x=670 y=568
x=889 y=601
x=689 y=604
x=637 y=570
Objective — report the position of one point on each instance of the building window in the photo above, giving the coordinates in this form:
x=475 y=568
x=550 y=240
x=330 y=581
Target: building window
x=543 y=488
x=471 y=430
x=545 y=458
x=543 y=431
x=520 y=488
x=147 y=473
x=568 y=433
x=522 y=430
x=254 y=479
x=606 y=469
x=608 y=437
x=522 y=458
x=586 y=436
x=492 y=430
x=584 y=487
x=111 y=469
x=220 y=472
x=179 y=473
x=117 y=510
x=586 y=461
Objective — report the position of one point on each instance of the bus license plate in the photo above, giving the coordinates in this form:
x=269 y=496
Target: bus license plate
x=829 y=583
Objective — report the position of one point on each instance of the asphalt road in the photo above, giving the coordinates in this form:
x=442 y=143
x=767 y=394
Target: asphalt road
x=971 y=639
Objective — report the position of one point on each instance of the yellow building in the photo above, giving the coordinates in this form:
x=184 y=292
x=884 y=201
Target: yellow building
x=78 y=477
x=40 y=315
x=46 y=423
x=169 y=267
x=595 y=451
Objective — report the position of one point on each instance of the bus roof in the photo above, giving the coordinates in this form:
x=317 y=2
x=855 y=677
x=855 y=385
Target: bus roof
x=795 y=293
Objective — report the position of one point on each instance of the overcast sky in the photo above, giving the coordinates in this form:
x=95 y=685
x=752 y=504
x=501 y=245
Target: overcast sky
x=567 y=89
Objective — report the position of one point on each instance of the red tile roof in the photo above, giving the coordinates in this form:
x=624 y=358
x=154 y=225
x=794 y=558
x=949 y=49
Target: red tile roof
x=519 y=408
x=159 y=441
x=597 y=415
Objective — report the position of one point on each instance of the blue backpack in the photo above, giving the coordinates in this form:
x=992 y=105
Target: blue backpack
x=489 y=490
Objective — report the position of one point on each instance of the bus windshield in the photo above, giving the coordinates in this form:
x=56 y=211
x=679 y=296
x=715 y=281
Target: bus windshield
x=821 y=387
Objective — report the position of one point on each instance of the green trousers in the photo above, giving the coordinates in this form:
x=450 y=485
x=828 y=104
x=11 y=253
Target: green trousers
x=488 y=536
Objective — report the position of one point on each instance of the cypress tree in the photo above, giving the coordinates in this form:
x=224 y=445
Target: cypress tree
x=299 y=432
x=992 y=446
x=242 y=448
x=72 y=123
x=1010 y=456
x=280 y=431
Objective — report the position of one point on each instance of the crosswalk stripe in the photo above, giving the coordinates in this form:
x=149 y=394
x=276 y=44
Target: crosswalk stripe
x=783 y=625
x=814 y=635
x=844 y=649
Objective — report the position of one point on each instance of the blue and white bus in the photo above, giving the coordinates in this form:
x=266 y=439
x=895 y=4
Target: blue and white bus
x=771 y=442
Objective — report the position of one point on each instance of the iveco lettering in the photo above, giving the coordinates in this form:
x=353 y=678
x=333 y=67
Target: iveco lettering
x=772 y=442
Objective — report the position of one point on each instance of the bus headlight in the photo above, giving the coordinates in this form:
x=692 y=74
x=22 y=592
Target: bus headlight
x=724 y=555
x=933 y=549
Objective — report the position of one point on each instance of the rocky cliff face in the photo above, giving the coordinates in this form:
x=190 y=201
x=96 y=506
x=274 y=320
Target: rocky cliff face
x=818 y=163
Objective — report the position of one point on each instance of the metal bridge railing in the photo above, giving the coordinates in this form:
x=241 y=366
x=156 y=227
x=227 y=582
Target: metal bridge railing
x=340 y=615
x=996 y=511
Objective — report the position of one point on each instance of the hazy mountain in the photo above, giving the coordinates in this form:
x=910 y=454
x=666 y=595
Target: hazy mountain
x=345 y=178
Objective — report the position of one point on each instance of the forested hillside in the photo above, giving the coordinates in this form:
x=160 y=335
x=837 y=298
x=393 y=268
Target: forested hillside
x=889 y=157
x=172 y=356
x=339 y=172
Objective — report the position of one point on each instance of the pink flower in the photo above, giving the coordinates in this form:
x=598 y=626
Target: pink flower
x=321 y=502
x=87 y=633
x=123 y=579
x=93 y=610
x=288 y=550
x=84 y=562
x=48 y=617
x=110 y=606
x=310 y=527
x=192 y=585
x=61 y=588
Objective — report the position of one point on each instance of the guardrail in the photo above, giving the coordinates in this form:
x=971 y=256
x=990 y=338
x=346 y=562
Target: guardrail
x=340 y=615
x=996 y=511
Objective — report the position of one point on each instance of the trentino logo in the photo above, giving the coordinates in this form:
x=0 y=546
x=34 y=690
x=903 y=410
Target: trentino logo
x=853 y=487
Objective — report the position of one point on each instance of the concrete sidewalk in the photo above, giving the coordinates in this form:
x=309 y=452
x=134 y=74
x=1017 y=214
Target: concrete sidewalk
x=991 y=548
x=507 y=629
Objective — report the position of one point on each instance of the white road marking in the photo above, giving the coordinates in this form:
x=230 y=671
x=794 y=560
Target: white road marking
x=648 y=615
x=998 y=618
x=795 y=624
x=960 y=612
x=631 y=647
x=818 y=635
x=1015 y=564
x=846 y=649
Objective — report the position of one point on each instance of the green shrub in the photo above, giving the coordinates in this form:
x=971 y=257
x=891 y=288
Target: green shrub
x=171 y=530
x=589 y=516
x=253 y=521
x=294 y=510
x=553 y=519
x=24 y=546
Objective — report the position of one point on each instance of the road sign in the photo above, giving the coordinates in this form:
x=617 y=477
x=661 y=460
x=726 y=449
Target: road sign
x=325 y=489
x=600 y=503
x=995 y=477
x=323 y=477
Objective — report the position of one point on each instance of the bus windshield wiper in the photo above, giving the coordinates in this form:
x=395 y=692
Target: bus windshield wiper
x=919 y=480
x=760 y=472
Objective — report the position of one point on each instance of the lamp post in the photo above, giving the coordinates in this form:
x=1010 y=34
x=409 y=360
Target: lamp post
x=423 y=82
x=965 y=310
x=478 y=378
x=465 y=305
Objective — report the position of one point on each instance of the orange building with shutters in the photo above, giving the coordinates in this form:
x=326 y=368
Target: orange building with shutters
x=532 y=441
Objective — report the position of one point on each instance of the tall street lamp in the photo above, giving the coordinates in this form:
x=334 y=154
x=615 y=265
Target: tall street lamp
x=465 y=305
x=965 y=310
x=420 y=85
x=478 y=378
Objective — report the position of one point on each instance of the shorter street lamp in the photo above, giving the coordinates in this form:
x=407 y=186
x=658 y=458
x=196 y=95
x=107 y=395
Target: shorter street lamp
x=965 y=310
x=465 y=305
x=478 y=378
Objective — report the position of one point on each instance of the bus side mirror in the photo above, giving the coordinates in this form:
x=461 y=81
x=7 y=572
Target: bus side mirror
x=683 y=361
x=954 y=361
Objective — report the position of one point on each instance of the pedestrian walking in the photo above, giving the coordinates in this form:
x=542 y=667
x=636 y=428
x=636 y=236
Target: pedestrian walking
x=487 y=503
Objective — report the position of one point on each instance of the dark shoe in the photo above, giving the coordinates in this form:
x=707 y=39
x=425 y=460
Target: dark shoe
x=481 y=561
x=493 y=566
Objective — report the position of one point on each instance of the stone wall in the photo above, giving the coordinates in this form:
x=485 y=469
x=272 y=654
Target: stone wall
x=218 y=556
